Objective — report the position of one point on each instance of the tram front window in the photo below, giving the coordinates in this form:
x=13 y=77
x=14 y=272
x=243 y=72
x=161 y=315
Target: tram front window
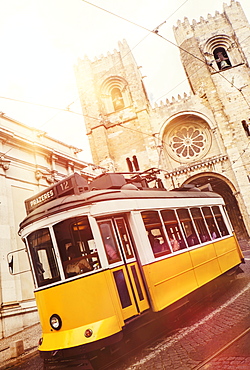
x=76 y=246
x=43 y=257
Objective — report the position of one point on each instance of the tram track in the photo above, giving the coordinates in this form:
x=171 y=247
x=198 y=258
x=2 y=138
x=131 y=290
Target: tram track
x=178 y=319
x=113 y=365
x=149 y=350
x=222 y=349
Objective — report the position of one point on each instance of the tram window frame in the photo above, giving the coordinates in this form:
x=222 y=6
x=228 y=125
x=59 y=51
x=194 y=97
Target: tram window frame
x=125 y=237
x=220 y=221
x=43 y=257
x=156 y=233
x=227 y=220
x=173 y=229
x=200 y=224
x=76 y=233
x=188 y=227
x=211 y=222
x=109 y=240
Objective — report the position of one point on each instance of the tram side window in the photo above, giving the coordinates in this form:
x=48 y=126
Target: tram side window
x=155 y=232
x=188 y=227
x=43 y=257
x=213 y=230
x=173 y=230
x=109 y=241
x=76 y=246
x=200 y=224
x=220 y=222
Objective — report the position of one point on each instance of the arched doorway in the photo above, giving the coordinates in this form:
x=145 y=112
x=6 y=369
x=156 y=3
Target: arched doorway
x=220 y=186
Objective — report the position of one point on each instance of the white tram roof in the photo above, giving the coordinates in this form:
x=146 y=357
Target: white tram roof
x=79 y=193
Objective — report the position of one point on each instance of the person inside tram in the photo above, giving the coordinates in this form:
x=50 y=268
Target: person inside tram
x=156 y=245
x=213 y=234
x=77 y=265
x=192 y=240
x=175 y=244
x=155 y=242
x=111 y=251
x=213 y=231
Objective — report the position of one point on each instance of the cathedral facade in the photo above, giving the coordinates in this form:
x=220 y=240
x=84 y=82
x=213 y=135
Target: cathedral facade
x=200 y=138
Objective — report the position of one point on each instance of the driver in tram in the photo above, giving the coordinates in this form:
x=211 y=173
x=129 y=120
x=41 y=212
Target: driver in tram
x=76 y=266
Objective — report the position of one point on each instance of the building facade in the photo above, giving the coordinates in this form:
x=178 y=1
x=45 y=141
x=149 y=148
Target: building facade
x=29 y=161
x=200 y=138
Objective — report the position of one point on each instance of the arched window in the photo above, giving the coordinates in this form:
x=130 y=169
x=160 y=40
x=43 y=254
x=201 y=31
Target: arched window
x=133 y=165
x=130 y=164
x=115 y=94
x=117 y=98
x=221 y=58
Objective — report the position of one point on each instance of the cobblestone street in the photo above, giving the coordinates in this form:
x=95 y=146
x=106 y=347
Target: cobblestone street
x=223 y=319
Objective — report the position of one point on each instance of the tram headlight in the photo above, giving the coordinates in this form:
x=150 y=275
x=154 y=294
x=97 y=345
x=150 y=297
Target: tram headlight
x=55 y=322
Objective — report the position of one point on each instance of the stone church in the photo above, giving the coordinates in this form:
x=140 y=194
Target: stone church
x=198 y=139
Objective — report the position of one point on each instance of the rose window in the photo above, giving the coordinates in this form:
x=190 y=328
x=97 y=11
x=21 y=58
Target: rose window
x=188 y=142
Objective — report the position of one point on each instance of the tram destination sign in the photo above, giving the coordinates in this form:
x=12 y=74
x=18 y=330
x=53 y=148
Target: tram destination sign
x=74 y=184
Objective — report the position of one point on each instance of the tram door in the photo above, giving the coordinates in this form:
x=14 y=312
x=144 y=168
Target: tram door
x=127 y=276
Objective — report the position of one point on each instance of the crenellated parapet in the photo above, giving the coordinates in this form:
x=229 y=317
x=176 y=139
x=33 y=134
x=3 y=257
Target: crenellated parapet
x=177 y=104
x=220 y=23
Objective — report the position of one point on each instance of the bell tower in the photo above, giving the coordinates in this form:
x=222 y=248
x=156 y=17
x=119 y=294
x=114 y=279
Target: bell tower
x=116 y=110
x=215 y=55
x=217 y=66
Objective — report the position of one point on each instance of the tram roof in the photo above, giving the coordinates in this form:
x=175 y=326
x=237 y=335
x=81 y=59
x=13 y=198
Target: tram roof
x=87 y=197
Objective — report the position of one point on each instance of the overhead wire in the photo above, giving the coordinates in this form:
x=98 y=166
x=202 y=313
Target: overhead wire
x=154 y=31
x=142 y=27
x=68 y=106
x=47 y=106
x=135 y=46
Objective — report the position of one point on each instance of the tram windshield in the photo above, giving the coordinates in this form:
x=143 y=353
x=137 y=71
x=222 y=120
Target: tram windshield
x=43 y=257
x=76 y=246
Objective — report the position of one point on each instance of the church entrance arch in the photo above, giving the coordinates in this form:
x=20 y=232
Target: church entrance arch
x=223 y=187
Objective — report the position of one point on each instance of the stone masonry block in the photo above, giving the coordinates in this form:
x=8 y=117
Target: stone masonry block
x=16 y=348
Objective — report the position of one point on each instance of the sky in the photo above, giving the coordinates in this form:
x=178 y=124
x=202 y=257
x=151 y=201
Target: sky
x=41 y=41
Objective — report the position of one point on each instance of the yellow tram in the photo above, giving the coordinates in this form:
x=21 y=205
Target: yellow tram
x=107 y=252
